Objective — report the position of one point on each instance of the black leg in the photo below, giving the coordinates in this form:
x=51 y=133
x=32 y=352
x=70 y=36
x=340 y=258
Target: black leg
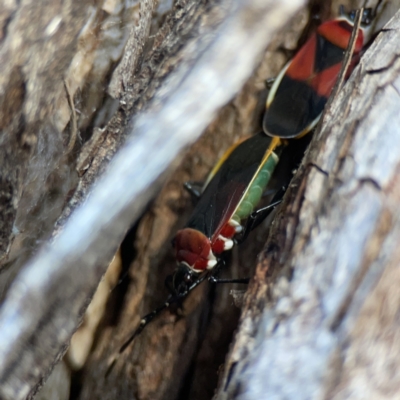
x=214 y=279
x=143 y=323
x=194 y=188
x=288 y=53
x=255 y=219
x=173 y=298
x=269 y=82
x=258 y=216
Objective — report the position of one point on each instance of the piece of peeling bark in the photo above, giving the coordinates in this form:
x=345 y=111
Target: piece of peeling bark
x=321 y=316
x=45 y=303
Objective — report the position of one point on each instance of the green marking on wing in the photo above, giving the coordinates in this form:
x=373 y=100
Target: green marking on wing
x=256 y=189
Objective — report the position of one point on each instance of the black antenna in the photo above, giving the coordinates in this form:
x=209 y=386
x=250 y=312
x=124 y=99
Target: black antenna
x=149 y=317
x=144 y=321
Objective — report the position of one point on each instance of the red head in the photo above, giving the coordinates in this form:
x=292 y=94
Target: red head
x=193 y=248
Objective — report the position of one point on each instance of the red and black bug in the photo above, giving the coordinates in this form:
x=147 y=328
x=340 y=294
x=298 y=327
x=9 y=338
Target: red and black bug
x=301 y=90
x=230 y=195
x=236 y=184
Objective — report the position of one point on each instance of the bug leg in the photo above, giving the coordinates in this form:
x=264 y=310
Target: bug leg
x=173 y=298
x=255 y=219
x=214 y=279
x=258 y=216
x=269 y=82
x=143 y=323
x=194 y=189
x=288 y=53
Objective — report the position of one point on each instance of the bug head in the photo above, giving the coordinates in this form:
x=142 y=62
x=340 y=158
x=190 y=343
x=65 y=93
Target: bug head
x=182 y=280
x=369 y=14
x=367 y=17
x=193 y=249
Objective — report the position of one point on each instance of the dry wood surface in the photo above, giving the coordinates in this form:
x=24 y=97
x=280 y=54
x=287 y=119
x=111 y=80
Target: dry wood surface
x=319 y=319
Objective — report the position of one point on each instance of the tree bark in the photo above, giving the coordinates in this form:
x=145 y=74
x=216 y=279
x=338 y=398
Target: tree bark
x=33 y=58
x=320 y=316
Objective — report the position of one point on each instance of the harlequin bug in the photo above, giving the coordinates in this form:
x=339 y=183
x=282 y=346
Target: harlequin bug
x=231 y=193
x=300 y=91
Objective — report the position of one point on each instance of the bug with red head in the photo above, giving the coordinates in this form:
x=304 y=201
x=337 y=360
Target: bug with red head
x=229 y=197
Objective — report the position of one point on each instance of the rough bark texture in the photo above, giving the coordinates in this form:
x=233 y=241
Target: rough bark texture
x=51 y=56
x=319 y=319
x=33 y=59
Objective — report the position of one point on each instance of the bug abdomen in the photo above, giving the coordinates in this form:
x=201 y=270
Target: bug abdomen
x=256 y=189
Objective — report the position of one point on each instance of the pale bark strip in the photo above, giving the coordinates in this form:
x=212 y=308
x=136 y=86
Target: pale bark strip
x=327 y=330
x=34 y=321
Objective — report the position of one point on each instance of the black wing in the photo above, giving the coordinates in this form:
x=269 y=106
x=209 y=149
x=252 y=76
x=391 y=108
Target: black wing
x=225 y=190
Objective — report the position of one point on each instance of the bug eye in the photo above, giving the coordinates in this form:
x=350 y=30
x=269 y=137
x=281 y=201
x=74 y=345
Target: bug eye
x=367 y=17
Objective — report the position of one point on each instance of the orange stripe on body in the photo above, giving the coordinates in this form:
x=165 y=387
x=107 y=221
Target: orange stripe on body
x=302 y=66
x=324 y=81
x=339 y=33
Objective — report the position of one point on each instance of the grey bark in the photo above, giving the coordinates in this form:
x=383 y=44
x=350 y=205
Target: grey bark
x=320 y=318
